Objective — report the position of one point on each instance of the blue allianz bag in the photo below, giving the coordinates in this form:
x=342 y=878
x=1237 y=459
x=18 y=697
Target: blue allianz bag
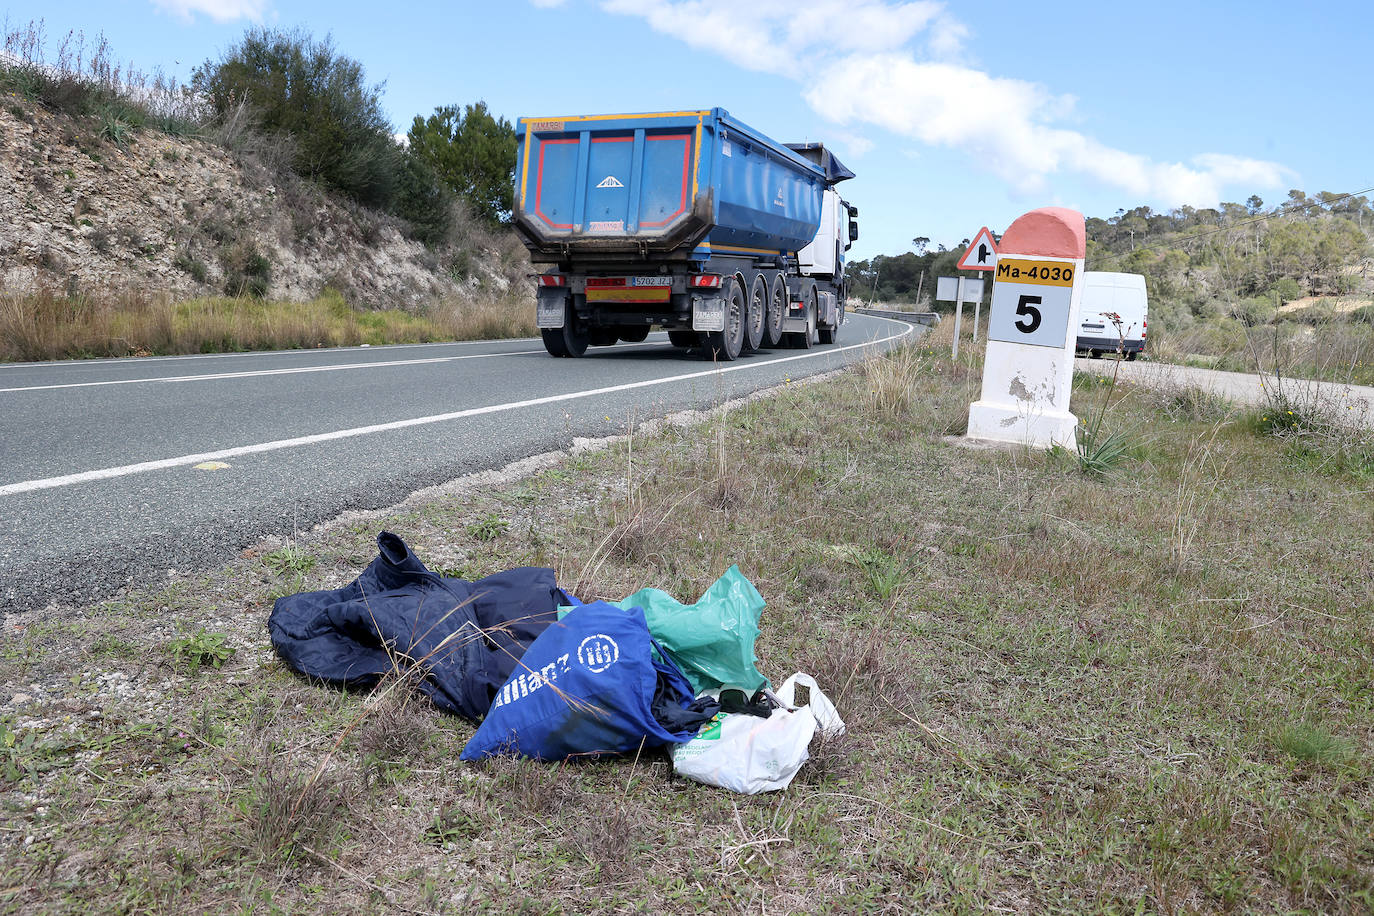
x=586 y=686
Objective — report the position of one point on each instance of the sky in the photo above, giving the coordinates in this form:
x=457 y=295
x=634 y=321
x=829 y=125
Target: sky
x=952 y=116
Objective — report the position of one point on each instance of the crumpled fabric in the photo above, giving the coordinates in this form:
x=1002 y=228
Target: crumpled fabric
x=467 y=636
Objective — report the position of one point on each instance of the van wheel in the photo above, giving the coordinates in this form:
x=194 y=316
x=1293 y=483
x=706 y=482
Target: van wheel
x=1130 y=357
x=726 y=345
x=1095 y=354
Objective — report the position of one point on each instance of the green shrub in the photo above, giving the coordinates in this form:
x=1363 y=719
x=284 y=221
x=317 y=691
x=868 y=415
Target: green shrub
x=291 y=84
x=246 y=271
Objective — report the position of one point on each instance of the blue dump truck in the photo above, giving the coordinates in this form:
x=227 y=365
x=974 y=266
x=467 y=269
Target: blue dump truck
x=684 y=220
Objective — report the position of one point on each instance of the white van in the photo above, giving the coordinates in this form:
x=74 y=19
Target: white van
x=1105 y=294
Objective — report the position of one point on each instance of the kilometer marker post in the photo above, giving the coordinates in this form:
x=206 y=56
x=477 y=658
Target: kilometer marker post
x=1028 y=367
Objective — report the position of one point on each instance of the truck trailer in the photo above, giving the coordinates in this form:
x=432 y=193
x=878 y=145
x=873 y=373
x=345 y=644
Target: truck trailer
x=689 y=221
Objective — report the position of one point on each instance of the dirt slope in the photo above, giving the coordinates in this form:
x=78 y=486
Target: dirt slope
x=84 y=206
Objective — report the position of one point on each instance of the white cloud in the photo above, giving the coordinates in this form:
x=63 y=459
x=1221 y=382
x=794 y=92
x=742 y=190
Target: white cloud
x=772 y=35
x=218 y=10
x=547 y=4
x=862 y=70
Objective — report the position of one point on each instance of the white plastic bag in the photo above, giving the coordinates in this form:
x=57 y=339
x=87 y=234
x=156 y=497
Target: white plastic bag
x=749 y=754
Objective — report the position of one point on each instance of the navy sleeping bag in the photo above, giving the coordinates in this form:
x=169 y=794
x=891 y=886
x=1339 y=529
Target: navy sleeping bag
x=590 y=684
x=469 y=636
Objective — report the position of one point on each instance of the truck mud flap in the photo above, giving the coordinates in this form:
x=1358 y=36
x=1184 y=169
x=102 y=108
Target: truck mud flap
x=551 y=308
x=708 y=313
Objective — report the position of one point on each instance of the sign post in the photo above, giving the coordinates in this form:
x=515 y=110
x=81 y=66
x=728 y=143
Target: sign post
x=1028 y=369
x=981 y=254
x=948 y=290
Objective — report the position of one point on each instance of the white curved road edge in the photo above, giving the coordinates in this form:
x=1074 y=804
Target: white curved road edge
x=27 y=486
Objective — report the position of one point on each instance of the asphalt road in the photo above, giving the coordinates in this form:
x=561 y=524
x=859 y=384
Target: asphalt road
x=99 y=484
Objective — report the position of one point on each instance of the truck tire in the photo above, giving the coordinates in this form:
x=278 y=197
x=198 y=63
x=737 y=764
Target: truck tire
x=757 y=316
x=687 y=339
x=726 y=345
x=632 y=334
x=569 y=340
x=602 y=337
x=777 y=310
x=828 y=335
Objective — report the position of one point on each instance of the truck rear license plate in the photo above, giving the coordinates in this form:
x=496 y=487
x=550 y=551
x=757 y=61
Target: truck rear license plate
x=708 y=314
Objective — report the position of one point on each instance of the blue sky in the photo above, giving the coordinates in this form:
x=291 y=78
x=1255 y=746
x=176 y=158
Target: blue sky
x=953 y=116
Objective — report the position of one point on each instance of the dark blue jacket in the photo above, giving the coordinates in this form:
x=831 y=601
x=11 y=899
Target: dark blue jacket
x=467 y=635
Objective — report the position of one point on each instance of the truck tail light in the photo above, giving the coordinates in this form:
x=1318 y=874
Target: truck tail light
x=552 y=280
x=706 y=281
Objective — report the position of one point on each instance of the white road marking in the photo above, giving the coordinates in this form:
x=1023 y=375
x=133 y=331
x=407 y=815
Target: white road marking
x=29 y=486
x=253 y=373
x=254 y=354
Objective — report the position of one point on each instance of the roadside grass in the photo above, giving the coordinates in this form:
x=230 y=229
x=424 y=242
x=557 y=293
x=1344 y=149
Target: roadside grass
x=48 y=325
x=1141 y=692
x=1323 y=346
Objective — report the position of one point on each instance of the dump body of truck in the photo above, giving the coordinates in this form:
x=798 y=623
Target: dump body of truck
x=687 y=220
x=675 y=182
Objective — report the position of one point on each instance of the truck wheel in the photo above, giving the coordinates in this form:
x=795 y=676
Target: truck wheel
x=757 y=316
x=633 y=334
x=553 y=341
x=726 y=345
x=686 y=339
x=602 y=337
x=828 y=335
x=569 y=340
x=777 y=310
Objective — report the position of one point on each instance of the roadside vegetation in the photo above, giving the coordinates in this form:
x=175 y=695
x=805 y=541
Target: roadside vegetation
x=302 y=120
x=49 y=326
x=1142 y=686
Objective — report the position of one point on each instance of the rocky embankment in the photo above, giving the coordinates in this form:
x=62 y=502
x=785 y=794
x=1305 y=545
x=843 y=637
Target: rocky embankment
x=91 y=205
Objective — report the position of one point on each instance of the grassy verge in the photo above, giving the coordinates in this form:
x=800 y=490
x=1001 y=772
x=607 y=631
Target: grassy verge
x=1144 y=691
x=48 y=326
x=1328 y=348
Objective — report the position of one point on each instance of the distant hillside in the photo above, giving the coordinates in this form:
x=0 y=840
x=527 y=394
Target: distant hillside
x=1306 y=259
x=1249 y=262
x=84 y=211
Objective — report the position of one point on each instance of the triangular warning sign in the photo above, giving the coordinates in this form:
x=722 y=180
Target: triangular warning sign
x=981 y=254
x=610 y=181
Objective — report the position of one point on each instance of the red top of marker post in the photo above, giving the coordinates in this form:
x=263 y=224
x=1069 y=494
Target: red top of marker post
x=1052 y=232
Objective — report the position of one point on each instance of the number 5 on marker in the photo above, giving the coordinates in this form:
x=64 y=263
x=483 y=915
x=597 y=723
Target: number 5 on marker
x=1024 y=308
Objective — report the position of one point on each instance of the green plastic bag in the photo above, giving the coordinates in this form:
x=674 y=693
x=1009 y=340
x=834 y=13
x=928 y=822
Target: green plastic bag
x=712 y=641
